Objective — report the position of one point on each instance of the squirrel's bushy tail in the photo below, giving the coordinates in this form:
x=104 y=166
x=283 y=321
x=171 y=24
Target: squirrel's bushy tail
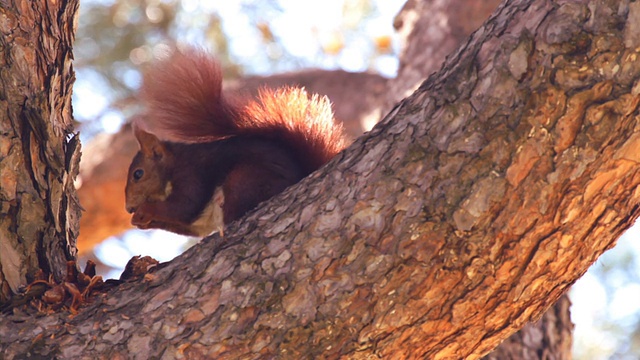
x=184 y=101
x=305 y=123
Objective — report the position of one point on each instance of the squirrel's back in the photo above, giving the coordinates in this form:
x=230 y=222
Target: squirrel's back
x=185 y=103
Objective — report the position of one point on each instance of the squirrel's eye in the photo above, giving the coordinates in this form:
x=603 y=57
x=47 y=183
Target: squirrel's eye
x=138 y=174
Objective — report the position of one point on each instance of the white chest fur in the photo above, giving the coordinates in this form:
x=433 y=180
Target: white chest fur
x=212 y=218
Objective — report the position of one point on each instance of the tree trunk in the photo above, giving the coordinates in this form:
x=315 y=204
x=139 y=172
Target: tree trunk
x=39 y=154
x=465 y=213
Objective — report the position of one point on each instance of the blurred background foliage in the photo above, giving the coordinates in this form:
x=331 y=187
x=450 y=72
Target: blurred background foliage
x=117 y=38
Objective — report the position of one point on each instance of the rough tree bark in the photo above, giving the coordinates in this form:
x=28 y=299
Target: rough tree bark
x=38 y=154
x=432 y=30
x=464 y=214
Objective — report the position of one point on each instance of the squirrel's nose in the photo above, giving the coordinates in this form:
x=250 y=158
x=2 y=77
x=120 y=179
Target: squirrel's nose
x=131 y=210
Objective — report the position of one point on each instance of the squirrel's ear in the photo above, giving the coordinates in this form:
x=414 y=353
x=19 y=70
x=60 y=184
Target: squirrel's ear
x=150 y=145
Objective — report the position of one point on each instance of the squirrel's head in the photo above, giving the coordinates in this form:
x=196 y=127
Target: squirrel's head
x=148 y=180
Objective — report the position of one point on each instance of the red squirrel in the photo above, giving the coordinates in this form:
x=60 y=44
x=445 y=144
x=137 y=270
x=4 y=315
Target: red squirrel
x=207 y=158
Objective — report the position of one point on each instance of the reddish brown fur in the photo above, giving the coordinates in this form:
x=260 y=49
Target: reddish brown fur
x=184 y=100
x=305 y=123
x=251 y=151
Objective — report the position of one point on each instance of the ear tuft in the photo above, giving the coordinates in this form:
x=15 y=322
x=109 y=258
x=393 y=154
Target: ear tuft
x=150 y=145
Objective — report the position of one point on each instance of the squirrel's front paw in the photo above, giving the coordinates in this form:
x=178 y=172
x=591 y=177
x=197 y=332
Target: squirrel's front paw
x=141 y=219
